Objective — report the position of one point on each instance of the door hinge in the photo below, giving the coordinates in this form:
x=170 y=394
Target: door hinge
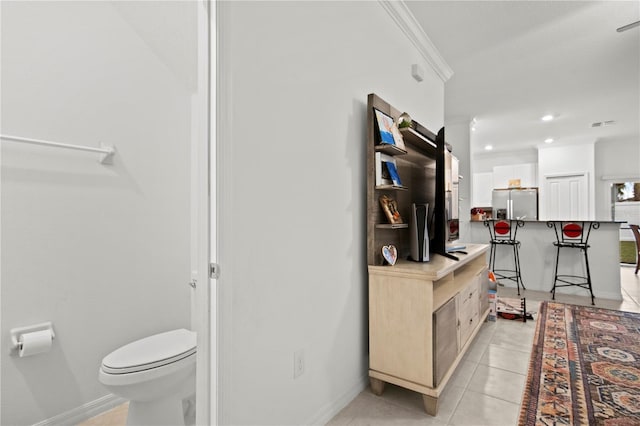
x=214 y=271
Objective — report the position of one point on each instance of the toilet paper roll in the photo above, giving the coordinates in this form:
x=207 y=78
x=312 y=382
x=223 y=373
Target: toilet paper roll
x=35 y=343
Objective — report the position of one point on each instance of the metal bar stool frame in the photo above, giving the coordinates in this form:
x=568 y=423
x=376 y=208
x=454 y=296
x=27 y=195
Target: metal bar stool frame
x=574 y=235
x=636 y=235
x=503 y=232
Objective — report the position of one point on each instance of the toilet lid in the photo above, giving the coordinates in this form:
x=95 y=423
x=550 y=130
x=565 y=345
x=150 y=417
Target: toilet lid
x=151 y=352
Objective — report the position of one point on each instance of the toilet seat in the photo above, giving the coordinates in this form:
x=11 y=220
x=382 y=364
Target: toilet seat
x=151 y=352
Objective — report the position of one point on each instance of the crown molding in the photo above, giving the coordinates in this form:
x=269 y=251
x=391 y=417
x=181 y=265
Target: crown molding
x=407 y=22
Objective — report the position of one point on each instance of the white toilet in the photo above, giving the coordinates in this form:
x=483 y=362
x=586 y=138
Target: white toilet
x=155 y=374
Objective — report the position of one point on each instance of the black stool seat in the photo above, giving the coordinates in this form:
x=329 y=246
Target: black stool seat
x=502 y=232
x=572 y=235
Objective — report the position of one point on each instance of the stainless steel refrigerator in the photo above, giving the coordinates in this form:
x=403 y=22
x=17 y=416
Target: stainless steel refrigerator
x=521 y=203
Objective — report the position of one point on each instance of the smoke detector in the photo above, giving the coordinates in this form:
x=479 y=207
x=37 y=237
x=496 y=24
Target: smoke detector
x=603 y=123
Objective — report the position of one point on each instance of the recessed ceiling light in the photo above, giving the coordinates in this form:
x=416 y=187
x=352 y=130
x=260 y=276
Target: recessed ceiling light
x=547 y=117
x=473 y=129
x=548 y=140
x=488 y=147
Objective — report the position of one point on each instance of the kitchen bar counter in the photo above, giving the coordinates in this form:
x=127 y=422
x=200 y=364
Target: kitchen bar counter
x=538 y=256
x=619 y=222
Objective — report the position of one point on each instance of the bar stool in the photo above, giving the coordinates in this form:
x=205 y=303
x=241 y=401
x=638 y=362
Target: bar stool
x=572 y=235
x=502 y=232
x=636 y=235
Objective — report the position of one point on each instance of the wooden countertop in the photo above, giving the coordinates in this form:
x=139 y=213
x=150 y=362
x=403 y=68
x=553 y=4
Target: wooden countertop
x=437 y=267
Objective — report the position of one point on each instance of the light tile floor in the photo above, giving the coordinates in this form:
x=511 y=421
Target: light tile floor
x=487 y=387
x=117 y=416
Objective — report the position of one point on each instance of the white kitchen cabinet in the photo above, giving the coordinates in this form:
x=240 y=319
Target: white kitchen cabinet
x=482 y=187
x=526 y=172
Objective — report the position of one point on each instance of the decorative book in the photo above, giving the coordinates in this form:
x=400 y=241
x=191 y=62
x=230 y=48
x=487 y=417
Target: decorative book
x=390 y=208
x=388 y=130
x=386 y=170
x=393 y=172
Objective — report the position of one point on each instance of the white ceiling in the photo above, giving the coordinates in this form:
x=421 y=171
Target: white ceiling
x=515 y=61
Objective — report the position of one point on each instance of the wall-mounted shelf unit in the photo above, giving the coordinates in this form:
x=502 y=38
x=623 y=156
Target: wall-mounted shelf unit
x=416 y=164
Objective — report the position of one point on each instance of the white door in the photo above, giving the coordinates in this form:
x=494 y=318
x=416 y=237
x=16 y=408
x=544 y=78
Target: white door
x=566 y=197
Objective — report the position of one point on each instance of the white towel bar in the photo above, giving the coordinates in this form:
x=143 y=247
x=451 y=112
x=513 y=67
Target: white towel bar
x=106 y=151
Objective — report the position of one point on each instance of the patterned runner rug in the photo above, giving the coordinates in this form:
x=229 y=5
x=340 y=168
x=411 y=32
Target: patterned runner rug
x=584 y=368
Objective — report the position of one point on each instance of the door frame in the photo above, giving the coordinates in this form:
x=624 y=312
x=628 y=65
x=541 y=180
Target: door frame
x=204 y=204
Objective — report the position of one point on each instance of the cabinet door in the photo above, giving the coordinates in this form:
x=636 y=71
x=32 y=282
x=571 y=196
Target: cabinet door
x=483 y=292
x=501 y=176
x=527 y=173
x=445 y=341
x=482 y=188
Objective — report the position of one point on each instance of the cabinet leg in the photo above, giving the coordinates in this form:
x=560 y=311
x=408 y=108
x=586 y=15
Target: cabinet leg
x=430 y=405
x=377 y=385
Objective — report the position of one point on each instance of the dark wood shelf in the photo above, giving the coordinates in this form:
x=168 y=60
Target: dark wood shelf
x=417 y=140
x=392 y=187
x=389 y=149
x=392 y=225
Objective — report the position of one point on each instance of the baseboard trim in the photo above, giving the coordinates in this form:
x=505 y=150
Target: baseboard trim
x=329 y=410
x=84 y=412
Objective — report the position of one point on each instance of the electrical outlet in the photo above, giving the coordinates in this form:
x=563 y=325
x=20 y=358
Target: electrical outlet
x=298 y=363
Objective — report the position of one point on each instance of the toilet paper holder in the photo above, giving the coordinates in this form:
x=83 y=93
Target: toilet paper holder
x=15 y=334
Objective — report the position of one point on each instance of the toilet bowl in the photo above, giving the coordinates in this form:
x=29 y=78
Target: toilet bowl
x=155 y=374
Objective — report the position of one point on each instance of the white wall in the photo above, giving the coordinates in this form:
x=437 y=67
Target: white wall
x=294 y=83
x=102 y=251
x=564 y=159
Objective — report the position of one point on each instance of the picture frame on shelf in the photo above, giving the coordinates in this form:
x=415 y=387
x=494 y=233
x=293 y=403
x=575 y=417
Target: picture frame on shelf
x=388 y=130
x=390 y=254
x=390 y=209
x=386 y=170
x=382 y=172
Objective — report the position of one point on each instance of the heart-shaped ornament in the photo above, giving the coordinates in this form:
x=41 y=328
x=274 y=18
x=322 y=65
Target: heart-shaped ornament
x=390 y=254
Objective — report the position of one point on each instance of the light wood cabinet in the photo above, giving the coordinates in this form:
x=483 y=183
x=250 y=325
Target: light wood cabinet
x=412 y=342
